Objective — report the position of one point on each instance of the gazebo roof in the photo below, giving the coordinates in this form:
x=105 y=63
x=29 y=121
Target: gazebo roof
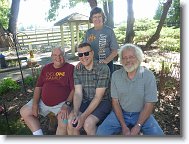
x=74 y=17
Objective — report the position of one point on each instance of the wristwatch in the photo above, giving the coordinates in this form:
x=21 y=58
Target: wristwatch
x=139 y=125
x=68 y=103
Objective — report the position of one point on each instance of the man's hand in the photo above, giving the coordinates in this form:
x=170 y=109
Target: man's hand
x=78 y=65
x=103 y=61
x=64 y=112
x=135 y=130
x=35 y=110
x=126 y=131
x=81 y=120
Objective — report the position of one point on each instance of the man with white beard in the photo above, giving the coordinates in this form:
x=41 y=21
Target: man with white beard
x=133 y=92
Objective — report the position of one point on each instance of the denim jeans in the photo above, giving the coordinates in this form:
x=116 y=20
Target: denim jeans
x=111 y=125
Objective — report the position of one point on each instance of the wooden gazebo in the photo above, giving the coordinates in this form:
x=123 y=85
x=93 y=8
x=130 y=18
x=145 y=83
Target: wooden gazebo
x=72 y=20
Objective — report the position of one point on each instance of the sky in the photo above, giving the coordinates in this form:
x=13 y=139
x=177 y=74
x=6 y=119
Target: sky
x=33 y=12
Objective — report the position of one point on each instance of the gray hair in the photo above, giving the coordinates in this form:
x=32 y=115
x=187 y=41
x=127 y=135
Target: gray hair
x=58 y=47
x=137 y=50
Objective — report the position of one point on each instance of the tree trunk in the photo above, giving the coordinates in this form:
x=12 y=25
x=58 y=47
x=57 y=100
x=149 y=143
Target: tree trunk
x=156 y=36
x=13 y=16
x=130 y=22
x=108 y=10
x=92 y=3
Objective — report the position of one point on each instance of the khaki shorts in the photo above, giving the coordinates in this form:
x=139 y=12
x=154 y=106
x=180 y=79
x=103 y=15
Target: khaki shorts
x=44 y=109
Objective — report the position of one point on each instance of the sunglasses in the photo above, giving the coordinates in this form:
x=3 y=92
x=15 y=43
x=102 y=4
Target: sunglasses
x=85 y=54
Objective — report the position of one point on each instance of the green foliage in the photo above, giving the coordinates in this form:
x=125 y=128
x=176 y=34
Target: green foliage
x=7 y=85
x=144 y=29
x=16 y=127
x=4 y=13
x=169 y=39
x=29 y=81
x=120 y=33
x=56 y=4
x=158 y=12
x=145 y=24
x=173 y=16
x=81 y=35
x=52 y=13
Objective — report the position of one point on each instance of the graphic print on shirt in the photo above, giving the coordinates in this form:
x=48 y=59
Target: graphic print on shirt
x=54 y=75
x=102 y=44
x=91 y=38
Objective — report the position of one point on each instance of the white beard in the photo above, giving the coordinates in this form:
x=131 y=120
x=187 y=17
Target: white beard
x=132 y=68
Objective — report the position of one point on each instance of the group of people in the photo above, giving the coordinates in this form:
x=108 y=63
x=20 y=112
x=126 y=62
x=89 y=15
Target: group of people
x=92 y=95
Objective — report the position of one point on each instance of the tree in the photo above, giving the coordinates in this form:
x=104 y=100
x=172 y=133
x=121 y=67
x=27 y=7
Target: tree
x=130 y=22
x=13 y=16
x=107 y=5
x=156 y=36
x=173 y=16
x=108 y=10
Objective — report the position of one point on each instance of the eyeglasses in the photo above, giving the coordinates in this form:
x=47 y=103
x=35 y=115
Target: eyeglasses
x=97 y=17
x=85 y=54
x=129 y=58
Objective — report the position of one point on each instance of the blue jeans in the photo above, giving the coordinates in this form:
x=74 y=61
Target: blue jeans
x=111 y=125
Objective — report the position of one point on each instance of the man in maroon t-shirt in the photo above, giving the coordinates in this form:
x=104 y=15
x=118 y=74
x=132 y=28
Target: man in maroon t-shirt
x=53 y=93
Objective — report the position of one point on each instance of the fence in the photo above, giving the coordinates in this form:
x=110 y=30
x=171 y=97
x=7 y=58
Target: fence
x=47 y=36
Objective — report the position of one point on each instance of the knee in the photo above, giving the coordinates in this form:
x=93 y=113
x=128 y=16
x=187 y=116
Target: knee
x=89 y=125
x=23 y=111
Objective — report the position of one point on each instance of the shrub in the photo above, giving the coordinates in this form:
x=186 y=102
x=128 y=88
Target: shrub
x=7 y=85
x=144 y=29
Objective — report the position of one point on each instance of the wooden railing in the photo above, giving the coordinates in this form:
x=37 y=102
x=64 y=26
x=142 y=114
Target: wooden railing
x=45 y=36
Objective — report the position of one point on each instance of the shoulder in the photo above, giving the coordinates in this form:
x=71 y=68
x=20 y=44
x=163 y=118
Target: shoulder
x=146 y=72
x=69 y=65
x=90 y=29
x=101 y=66
x=108 y=28
x=49 y=65
x=118 y=72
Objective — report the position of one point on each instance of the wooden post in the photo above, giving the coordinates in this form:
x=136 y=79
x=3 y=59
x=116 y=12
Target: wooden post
x=72 y=38
x=62 y=36
x=77 y=33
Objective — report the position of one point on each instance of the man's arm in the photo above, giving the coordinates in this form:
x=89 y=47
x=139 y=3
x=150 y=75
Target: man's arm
x=119 y=114
x=36 y=98
x=70 y=97
x=144 y=115
x=37 y=95
x=77 y=99
x=111 y=56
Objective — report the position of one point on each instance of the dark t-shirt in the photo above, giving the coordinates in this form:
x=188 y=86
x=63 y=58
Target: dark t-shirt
x=56 y=83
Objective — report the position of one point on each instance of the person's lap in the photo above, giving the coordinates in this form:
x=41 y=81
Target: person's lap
x=112 y=126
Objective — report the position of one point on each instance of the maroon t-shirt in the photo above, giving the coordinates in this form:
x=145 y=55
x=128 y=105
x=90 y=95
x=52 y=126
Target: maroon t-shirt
x=56 y=83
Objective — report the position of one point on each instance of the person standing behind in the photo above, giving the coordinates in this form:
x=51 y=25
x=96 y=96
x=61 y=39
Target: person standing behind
x=53 y=93
x=91 y=102
x=102 y=39
x=133 y=92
